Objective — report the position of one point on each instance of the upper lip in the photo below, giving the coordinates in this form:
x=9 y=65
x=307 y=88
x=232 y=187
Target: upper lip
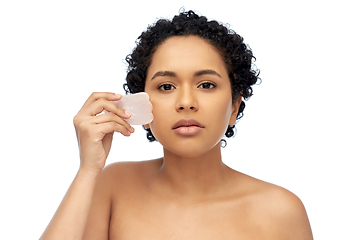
x=187 y=123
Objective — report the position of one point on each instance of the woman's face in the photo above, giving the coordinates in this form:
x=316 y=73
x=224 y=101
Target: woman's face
x=190 y=90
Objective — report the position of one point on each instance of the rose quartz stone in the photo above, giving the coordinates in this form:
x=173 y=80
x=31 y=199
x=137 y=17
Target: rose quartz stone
x=138 y=105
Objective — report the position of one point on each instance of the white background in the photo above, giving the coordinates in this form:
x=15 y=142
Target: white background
x=300 y=129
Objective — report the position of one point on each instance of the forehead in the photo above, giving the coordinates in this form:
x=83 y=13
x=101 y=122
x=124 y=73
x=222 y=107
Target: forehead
x=191 y=53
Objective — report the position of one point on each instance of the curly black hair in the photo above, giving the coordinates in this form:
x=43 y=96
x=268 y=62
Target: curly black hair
x=237 y=55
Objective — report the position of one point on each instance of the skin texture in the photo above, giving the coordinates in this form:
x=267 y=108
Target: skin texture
x=189 y=193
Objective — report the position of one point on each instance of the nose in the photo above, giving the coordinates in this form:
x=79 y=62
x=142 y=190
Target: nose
x=186 y=100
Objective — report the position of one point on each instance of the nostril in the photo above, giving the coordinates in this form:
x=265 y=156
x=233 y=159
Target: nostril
x=186 y=107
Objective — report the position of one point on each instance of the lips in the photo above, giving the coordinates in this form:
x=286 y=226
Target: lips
x=187 y=123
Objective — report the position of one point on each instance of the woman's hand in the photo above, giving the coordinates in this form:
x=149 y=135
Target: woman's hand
x=95 y=132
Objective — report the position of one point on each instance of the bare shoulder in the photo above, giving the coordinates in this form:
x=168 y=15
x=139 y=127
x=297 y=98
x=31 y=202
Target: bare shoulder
x=115 y=181
x=128 y=167
x=279 y=209
x=124 y=174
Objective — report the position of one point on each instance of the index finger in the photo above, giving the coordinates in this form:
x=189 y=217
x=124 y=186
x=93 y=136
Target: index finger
x=97 y=95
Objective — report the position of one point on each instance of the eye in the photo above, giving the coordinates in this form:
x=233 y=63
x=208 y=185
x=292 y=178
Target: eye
x=207 y=85
x=166 y=87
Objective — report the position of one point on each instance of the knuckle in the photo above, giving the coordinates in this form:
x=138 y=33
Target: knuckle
x=99 y=95
x=110 y=115
x=94 y=94
x=102 y=101
x=83 y=127
x=77 y=120
x=124 y=128
x=113 y=116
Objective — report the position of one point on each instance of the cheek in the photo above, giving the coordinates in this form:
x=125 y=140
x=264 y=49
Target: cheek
x=161 y=114
x=217 y=111
x=160 y=107
x=220 y=107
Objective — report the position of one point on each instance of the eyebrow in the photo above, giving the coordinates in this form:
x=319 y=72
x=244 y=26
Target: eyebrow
x=206 y=72
x=164 y=74
x=196 y=74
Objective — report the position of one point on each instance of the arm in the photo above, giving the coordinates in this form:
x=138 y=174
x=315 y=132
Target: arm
x=296 y=221
x=94 y=133
x=290 y=219
x=70 y=218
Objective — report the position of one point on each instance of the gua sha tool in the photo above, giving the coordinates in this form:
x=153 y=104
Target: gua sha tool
x=138 y=105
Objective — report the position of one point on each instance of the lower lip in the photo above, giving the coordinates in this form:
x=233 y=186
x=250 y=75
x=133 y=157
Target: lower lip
x=188 y=131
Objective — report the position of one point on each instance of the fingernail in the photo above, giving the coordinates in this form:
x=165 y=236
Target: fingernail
x=117 y=95
x=127 y=114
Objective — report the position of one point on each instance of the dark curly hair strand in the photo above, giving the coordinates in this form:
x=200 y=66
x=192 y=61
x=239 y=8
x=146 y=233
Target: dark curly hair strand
x=237 y=55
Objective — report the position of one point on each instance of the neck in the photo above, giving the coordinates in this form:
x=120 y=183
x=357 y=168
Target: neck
x=195 y=177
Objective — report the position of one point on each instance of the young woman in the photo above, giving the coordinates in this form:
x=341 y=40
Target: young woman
x=197 y=73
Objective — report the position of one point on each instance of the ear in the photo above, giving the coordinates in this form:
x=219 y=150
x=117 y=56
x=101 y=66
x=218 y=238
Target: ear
x=147 y=126
x=235 y=110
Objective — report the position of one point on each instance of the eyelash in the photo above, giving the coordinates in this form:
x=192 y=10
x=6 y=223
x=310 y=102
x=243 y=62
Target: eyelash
x=213 y=85
x=165 y=84
x=161 y=87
